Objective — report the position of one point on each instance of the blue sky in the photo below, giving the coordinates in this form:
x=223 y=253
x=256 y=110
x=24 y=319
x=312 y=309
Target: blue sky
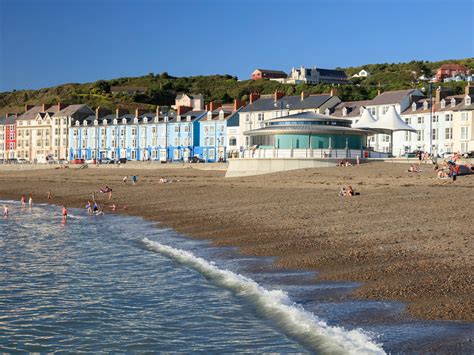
x=50 y=42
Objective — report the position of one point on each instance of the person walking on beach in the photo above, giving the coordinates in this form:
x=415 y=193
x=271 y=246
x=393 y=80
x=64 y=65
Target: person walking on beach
x=64 y=213
x=134 y=179
x=30 y=201
x=6 y=211
x=23 y=201
x=50 y=195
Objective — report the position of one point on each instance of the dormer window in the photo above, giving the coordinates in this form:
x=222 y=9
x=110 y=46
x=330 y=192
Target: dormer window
x=166 y=119
x=135 y=120
x=104 y=122
x=145 y=120
x=156 y=119
x=188 y=118
x=425 y=105
x=467 y=100
x=443 y=103
x=344 y=111
x=209 y=115
x=124 y=121
x=413 y=106
x=96 y=122
x=221 y=114
x=115 y=121
x=453 y=102
x=178 y=119
x=77 y=123
x=84 y=123
x=326 y=111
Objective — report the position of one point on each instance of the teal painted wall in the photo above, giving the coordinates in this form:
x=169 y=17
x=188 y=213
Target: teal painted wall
x=320 y=141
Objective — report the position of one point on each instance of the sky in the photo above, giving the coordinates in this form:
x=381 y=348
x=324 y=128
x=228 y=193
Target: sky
x=51 y=42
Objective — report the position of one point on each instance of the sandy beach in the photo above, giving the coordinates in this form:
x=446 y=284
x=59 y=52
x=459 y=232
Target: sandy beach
x=406 y=237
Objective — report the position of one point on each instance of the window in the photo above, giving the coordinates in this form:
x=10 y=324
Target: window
x=468 y=100
x=211 y=129
x=407 y=120
x=421 y=120
x=64 y=130
x=464 y=133
x=448 y=133
x=221 y=128
x=186 y=128
x=407 y=136
x=114 y=143
x=233 y=141
x=448 y=117
x=419 y=135
x=434 y=134
x=176 y=141
x=384 y=109
x=186 y=141
x=134 y=143
x=247 y=117
x=385 y=138
x=435 y=118
x=260 y=116
x=464 y=116
x=134 y=131
x=122 y=132
x=134 y=154
x=176 y=129
x=211 y=141
x=372 y=111
x=122 y=143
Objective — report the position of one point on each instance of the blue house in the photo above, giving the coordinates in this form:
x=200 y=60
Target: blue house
x=213 y=142
x=183 y=134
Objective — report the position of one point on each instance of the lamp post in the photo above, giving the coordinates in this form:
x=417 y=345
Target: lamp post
x=430 y=87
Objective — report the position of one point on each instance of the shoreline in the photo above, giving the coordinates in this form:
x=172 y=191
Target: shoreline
x=296 y=217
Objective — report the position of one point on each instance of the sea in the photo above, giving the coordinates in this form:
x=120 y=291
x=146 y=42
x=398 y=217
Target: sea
x=114 y=283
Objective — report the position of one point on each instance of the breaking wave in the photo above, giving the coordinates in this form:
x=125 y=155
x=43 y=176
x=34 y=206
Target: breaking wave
x=276 y=306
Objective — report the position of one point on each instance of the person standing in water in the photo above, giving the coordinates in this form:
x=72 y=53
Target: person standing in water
x=23 y=201
x=6 y=211
x=64 y=213
x=30 y=201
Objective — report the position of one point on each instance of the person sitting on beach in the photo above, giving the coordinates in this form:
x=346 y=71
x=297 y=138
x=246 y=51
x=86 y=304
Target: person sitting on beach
x=105 y=190
x=113 y=207
x=414 y=169
x=124 y=180
x=350 y=191
x=342 y=192
x=163 y=180
x=347 y=191
x=6 y=211
x=442 y=174
x=348 y=163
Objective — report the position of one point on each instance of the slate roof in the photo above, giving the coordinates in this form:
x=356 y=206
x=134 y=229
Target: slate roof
x=75 y=111
x=391 y=97
x=353 y=108
x=194 y=115
x=460 y=105
x=31 y=113
x=295 y=102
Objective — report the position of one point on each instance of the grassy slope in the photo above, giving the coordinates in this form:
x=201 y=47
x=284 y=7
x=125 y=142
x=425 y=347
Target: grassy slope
x=162 y=88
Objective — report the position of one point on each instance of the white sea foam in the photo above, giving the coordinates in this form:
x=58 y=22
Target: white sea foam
x=275 y=305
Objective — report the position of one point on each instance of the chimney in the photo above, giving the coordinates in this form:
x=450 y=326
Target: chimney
x=378 y=92
x=139 y=112
x=441 y=93
x=469 y=89
x=333 y=92
x=214 y=105
x=302 y=96
x=157 y=113
x=238 y=104
x=278 y=95
x=61 y=106
x=43 y=107
x=28 y=107
x=181 y=110
x=254 y=97
x=120 y=112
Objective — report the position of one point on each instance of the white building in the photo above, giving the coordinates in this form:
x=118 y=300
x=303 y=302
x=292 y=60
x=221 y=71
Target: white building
x=362 y=74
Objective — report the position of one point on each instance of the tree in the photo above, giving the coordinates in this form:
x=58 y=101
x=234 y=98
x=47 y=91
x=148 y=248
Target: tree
x=103 y=86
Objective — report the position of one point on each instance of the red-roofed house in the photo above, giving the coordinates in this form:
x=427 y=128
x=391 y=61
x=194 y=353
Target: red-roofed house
x=450 y=70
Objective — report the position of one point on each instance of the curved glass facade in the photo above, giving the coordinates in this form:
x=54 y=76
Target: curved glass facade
x=305 y=141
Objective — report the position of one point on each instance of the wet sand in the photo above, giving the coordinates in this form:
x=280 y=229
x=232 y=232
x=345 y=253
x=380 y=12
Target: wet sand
x=406 y=237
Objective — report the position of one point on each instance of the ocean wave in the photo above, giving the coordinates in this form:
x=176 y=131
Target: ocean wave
x=275 y=305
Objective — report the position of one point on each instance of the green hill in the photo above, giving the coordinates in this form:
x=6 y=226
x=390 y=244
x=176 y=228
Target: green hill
x=161 y=89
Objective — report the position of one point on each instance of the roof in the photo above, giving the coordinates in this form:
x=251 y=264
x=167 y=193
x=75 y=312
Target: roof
x=352 y=107
x=391 y=97
x=295 y=102
x=74 y=110
x=332 y=72
x=7 y=120
x=460 y=105
x=390 y=122
x=31 y=113
x=194 y=115
x=191 y=96
x=366 y=120
x=452 y=66
x=271 y=71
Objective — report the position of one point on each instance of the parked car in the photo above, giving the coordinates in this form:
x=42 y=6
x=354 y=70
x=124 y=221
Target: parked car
x=469 y=154
x=90 y=161
x=107 y=161
x=77 y=161
x=446 y=154
x=21 y=161
x=122 y=160
x=196 y=159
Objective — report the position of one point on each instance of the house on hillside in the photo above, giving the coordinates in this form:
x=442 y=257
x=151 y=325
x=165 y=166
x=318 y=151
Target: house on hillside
x=258 y=74
x=451 y=70
x=314 y=76
x=362 y=74
x=191 y=101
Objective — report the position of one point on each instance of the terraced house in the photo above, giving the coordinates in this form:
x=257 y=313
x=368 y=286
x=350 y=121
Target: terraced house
x=42 y=131
x=214 y=142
